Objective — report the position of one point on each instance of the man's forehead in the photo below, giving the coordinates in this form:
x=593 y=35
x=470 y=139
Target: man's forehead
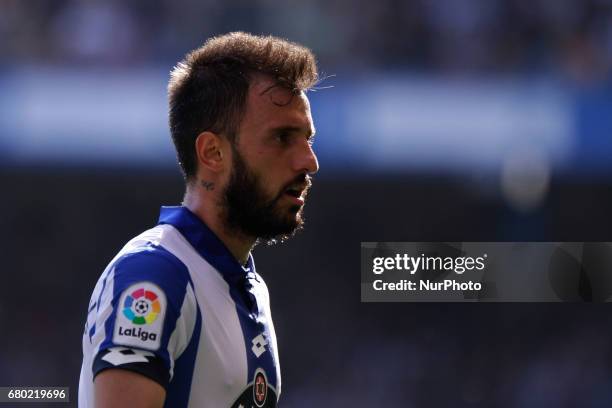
x=261 y=82
x=269 y=101
x=266 y=88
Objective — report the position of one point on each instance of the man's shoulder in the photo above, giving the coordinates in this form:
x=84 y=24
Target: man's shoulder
x=146 y=258
x=149 y=256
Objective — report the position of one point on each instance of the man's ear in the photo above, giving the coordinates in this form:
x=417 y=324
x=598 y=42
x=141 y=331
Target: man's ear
x=209 y=151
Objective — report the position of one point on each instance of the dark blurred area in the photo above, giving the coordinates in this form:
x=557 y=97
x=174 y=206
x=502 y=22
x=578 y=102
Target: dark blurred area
x=65 y=225
x=448 y=120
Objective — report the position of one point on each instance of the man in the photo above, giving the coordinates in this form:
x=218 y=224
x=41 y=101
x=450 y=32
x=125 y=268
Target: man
x=180 y=317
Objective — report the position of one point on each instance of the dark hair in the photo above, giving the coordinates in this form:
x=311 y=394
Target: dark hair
x=208 y=89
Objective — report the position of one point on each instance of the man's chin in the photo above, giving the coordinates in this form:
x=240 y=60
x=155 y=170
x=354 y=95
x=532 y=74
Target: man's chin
x=295 y=217
x=278 y=238
x=283 y=229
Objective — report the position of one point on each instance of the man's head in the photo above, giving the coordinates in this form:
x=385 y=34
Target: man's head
x=242 y=128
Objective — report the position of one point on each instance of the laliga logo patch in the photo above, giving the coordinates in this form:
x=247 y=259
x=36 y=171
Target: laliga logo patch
x=141 y=306
x=141 y=320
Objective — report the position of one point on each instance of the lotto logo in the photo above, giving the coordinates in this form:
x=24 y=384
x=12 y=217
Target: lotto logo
x=122 y=355
x=259 y=345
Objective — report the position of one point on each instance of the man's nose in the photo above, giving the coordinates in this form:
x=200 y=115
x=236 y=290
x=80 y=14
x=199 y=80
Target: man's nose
x=306 y=161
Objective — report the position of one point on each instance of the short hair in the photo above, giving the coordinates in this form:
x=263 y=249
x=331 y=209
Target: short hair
x=208 y=89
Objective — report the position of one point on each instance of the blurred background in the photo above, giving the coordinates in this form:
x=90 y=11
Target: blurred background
x=444 y=120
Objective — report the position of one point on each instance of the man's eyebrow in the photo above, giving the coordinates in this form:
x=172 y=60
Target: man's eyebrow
x=268 y=89
x=279 y=100
x=295 y=129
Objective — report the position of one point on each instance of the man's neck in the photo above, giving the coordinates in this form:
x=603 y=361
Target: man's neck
x=206 y=210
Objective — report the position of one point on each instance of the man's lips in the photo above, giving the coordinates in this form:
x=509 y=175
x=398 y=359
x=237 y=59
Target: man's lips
x=296 y=200
x=296 y=192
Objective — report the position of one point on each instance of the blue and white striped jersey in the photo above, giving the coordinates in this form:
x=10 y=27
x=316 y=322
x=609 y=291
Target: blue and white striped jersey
x=176 y=306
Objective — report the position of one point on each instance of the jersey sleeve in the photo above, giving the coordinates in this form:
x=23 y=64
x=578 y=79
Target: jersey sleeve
x=145 y=315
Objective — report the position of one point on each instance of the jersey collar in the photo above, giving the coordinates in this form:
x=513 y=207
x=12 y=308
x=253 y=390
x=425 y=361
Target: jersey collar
x=205 y=242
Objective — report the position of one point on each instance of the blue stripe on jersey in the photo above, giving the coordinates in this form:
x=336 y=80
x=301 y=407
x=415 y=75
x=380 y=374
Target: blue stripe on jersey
x=177 y=394
x=211 y=248
x=150 y=264
x=96 y=305
x=92 y=331
x=250 y=330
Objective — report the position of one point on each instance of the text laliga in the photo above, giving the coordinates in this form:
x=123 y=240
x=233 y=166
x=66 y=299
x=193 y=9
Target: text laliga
x=138 y=333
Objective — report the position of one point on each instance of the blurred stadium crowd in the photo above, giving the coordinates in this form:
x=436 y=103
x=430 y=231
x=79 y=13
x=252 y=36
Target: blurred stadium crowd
x=570 y=38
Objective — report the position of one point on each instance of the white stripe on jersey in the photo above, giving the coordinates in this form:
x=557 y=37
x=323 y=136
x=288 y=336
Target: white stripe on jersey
x=217 y=371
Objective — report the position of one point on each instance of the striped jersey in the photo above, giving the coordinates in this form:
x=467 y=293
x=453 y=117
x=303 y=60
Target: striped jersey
x=176 y=306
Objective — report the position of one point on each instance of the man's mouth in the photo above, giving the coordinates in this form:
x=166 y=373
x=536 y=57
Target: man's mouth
x=295 y=191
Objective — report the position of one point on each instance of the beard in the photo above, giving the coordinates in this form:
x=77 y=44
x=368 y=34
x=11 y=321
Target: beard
x=248 y=209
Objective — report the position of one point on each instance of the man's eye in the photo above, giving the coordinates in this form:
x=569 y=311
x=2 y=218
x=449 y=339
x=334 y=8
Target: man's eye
x=283 y=137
